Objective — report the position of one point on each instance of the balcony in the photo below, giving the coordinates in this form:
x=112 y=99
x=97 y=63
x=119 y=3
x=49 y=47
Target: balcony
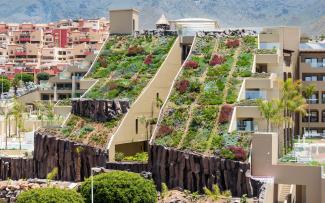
x=24 y=39
x=246 y=125
x=268 y=37
x=87 y=39
x=255 y=94
x=20 y=53
x=267 y=56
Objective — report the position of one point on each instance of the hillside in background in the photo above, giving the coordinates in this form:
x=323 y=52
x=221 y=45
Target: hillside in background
x=310 y=15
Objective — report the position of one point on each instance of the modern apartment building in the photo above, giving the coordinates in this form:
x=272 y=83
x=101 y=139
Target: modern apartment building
x=35 y=45
x=311 y=71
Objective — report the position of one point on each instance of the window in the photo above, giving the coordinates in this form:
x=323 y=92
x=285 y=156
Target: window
x=245 y=125
x=313 y=116
x=323 y=116
x=310 y=78
x=313 y=99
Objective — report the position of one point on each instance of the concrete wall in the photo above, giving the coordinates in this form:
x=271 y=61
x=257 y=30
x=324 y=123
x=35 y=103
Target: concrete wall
x=146 y=106
x=121 y=21
x=264 y=162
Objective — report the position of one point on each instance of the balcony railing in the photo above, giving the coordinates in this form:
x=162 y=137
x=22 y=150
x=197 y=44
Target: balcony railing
x=255 y=94
x=24 y=39
x=20 y=53
x=84 y=39
x=246 y=126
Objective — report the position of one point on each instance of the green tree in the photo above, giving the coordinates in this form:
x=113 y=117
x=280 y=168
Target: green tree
x=43 y=76
x=24 y=77
x=4 y=85
x=308 y=92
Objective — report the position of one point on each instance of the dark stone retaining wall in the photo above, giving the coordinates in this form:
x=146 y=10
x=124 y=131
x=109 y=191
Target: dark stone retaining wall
x=51 y=152
x=193 y=172
x=99 y=110
x=16 y=168
x=135 y=167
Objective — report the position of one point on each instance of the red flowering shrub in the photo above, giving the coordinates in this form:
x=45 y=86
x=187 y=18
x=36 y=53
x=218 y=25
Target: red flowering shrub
x=182 y=86
x=148 y=59
x=239 y=153
x=216 y=59
x=164 y=130
x=225 y=113
x=191 y=65
x=135 y=50
x=232 y=43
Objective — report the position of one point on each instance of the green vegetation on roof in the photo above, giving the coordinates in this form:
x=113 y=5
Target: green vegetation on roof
x=123 y=69
x=210 y=79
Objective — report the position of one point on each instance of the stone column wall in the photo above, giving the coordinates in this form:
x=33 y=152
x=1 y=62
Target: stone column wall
x=51 y=152
x=16 y=168
x=194 y=172
x=99 y=110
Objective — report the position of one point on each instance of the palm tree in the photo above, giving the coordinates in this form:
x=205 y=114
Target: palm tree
x=309 y=91
x=293 y=102
x=17 y=111
x=271 y=111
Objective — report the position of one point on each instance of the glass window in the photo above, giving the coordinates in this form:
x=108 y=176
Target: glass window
x=323 y=116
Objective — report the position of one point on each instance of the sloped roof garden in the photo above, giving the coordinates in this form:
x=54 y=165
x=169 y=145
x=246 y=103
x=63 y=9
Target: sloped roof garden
x=197 y=114
x=123 y=69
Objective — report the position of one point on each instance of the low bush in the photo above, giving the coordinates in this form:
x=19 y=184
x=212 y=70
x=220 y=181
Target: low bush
x=216 y=60
x=119 y=187
x=148 y=59
x=232 y=43
x=50 y=195
x=182 y=86
x=191 y=64
x=135 y=50
x=4 y=85
x=164 y=130
x=225 y=113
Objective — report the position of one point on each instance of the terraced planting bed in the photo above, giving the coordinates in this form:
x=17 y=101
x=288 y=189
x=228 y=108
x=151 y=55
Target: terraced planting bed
x=197 y=114
x=123 y=69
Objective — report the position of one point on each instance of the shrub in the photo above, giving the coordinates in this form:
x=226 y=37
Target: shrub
x=119 y=186
x=50 y=195
x=139 y=157
x=135 y=50
x=191 y=65
x=164 y=130
x=24 y=77
x=232 y=43
x=227 y=153
x=102 y=60
x=216 y=60
x=182 y=86
x=5 y=84
x=239 y=153
x=225 y=113
x=43 y=76
x=148 y=59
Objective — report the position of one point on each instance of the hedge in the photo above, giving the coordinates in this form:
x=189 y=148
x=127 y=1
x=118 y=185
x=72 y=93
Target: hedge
x=50 y=195
x=119 y=187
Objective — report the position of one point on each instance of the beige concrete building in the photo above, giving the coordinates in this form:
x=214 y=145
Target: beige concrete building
x=124 y=21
